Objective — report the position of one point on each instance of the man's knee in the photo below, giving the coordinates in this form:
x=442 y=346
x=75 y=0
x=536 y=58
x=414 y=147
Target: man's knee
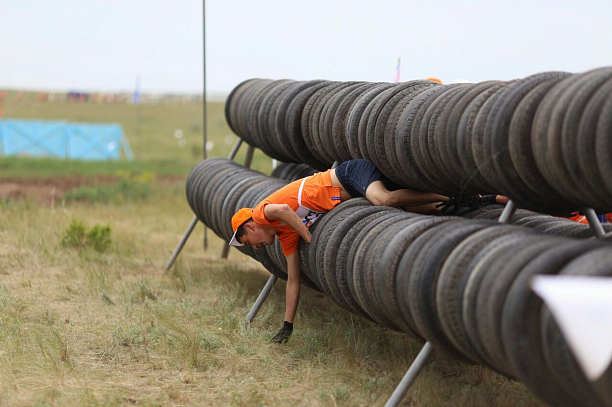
x=378 y=195
x=381 y=199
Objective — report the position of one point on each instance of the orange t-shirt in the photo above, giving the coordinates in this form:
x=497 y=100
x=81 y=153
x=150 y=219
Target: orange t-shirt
x=309 y=197
x=583 y=219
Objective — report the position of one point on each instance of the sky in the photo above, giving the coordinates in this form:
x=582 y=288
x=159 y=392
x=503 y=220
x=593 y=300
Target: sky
x=105 y=45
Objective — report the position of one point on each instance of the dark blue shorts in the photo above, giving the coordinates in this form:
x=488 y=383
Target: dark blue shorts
x=357 y=175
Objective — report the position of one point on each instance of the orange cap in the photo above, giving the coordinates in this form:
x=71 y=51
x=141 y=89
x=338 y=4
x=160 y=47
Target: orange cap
x=238 y=219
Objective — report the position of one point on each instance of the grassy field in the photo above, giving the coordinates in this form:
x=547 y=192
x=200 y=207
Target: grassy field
x=80 y=327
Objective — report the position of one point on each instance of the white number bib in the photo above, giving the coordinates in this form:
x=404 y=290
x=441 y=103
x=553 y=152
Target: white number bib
x=308 y=216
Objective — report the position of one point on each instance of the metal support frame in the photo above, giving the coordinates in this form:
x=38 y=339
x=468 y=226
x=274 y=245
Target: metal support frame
x=509 y=210
x=235 y=149
x=410 y=376
x=419 y=362
x=417 y=365
x=179 y=247
x=594 y=223
x=194 y=221
x=261 y=298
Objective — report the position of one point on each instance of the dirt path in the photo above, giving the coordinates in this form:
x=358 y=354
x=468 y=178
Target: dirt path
x=44 y=191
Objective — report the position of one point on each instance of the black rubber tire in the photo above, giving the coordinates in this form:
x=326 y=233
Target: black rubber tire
x=548 y=137
x=357 y=111
x=391 y=134
x=345 y=255
x=559 y=358
x=368 y=270
x=589 y=170
x=406 y=268
x=424 y=279
x=433 y=139
x=407 y=139
x=317 y=120
x=246 y=111
x=453 y=116
x=378 y=119
x=340 y=120
x=472 y=183
x=387 y=268
x=453 y=278
x=310 y=121
x=293 y=123
x=388 y=217
x=321 y=245
x=603 y=146
x=360 y=286
x=231 y=103
x=503 y=174
x=522 y=155
x=281 y=110
x=327 y=131
x=521 y=324
x=320 y=230
x=265 y=134
x=332 y=250
x=493 y=288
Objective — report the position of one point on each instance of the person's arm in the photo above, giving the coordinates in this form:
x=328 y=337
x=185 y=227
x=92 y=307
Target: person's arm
x=292 y=298
x=284 y=213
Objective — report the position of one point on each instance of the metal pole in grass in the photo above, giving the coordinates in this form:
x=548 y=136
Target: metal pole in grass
x=417 y=365
x=194 y=221
x=204 y=103
x=179 y=247
x=410 y=376
x=261 y=298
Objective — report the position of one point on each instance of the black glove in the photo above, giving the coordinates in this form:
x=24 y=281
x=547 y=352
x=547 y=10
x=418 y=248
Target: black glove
x=284 y=334
x=471 y=201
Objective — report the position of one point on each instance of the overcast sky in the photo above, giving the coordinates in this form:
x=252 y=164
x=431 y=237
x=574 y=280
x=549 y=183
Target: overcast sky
x=104 y=45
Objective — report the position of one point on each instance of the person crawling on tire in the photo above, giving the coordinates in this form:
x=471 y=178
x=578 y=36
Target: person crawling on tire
x=290 y=211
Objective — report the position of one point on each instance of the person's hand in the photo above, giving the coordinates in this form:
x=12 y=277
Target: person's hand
x=471 y=201
x=501 y=199
x=284 y=334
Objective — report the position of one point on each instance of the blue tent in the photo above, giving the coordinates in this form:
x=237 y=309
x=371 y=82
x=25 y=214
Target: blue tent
x=75 y=141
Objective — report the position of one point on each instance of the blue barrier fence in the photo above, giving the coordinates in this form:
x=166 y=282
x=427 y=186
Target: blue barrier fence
x=60 y=139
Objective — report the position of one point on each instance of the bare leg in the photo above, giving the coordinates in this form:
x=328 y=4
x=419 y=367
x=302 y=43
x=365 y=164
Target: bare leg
x=379 y=195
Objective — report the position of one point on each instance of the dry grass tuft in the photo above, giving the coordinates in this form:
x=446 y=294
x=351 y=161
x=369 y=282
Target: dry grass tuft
x=78 y=327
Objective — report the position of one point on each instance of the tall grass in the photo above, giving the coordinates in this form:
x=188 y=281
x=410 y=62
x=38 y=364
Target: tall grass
x=78 y=327
x=83 y=328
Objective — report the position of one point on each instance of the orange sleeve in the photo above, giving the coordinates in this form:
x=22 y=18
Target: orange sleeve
x=260 y=218
x=290 y=242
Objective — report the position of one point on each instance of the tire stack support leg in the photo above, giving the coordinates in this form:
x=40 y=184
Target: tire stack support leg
x=194 y=221
x=419 y=362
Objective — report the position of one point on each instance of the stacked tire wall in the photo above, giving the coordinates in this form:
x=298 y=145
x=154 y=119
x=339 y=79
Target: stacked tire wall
x=461 y=283
x=545 y=141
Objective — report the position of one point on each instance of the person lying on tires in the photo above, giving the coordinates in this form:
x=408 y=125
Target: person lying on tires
x=290 y=211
